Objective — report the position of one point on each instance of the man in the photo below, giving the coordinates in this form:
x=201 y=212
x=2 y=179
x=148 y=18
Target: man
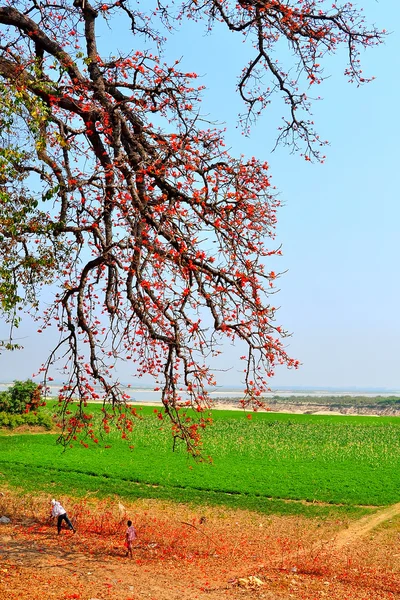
x=61 y=514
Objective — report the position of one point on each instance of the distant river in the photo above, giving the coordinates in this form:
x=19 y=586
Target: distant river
x=147 y=394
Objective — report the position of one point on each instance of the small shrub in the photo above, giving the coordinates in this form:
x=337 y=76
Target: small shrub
x=12 y=421
x=4 y=419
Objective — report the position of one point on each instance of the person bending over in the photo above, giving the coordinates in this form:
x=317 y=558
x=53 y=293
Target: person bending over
x=59 y=511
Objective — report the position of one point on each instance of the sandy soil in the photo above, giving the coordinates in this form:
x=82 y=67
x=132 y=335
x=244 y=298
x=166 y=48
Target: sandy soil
x=184 y=554
x=301 y=408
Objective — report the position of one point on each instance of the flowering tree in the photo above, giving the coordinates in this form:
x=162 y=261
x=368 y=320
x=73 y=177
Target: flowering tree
x=114 y=189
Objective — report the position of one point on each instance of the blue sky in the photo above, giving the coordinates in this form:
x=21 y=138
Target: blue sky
x=339 y=223
x=340 y=220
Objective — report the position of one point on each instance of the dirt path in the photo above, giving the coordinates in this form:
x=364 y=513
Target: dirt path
x=363 y=526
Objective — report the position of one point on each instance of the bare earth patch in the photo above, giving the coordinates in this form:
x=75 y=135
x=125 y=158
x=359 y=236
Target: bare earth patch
x=184 y=553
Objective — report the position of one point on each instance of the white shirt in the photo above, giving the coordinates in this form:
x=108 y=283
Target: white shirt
x=57 y=510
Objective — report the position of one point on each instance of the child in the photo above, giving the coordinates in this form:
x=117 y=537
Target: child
x=129 y=537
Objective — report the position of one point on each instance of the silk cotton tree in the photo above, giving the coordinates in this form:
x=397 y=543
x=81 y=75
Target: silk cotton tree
x=116 y=191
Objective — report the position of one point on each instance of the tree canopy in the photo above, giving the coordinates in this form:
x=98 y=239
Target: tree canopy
x=116 y=190
x=21 y=397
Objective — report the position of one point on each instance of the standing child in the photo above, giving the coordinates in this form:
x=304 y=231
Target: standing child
x=129 y=537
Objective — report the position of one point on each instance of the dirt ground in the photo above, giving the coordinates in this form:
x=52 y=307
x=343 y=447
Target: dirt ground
x=183 y=554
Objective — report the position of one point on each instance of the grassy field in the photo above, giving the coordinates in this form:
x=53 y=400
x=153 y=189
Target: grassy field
x=349 y=463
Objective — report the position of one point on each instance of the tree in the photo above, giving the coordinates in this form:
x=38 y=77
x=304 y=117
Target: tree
x=113 y=187
x=22 y=397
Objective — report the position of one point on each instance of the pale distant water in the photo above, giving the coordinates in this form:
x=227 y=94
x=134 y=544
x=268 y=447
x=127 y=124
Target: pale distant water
x=143 y=395
x=147 y=394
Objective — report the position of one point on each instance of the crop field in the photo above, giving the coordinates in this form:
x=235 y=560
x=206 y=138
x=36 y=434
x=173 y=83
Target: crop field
x=349 y=463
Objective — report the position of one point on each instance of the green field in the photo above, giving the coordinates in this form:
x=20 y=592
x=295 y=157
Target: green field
x=345 y=462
